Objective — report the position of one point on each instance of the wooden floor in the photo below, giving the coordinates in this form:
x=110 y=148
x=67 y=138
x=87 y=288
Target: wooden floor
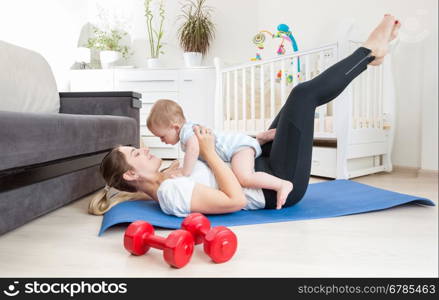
x=397 y=242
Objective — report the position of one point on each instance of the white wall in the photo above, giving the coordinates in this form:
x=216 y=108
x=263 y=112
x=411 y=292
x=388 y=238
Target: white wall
x=53 y=27
x=50 y=27
x=232 y=28
x=429 y=109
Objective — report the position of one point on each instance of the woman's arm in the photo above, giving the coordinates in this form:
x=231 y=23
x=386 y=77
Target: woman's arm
x=190 y=156
x=207 y=200
x=230 y=196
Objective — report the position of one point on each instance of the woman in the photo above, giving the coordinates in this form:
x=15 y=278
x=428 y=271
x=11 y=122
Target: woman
x=215 y=189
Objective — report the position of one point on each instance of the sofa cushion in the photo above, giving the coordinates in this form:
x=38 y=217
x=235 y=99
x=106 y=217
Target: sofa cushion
x=31 y=138
x=26 y=81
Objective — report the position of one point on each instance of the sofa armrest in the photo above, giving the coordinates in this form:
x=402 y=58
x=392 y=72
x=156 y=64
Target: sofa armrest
x=116 y=103
x=126 y=104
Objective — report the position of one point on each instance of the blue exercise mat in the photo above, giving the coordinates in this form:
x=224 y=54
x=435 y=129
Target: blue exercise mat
x=321 y=200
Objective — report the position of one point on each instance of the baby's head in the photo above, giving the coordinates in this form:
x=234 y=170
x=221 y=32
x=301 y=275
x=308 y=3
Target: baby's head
x=165 y=121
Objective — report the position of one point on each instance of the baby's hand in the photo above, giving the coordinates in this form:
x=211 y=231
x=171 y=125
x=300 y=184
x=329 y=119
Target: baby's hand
x=174 y=165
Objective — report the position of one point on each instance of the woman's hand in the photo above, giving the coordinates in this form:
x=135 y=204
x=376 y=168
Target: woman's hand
x=206 y=141
x=230 y=196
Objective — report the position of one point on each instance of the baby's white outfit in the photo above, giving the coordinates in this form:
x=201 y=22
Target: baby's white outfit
x=175 y=194
x=226 y=144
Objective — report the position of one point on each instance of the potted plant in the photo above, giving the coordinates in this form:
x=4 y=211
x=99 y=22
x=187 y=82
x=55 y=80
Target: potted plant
x=107 y=42
x=196 y=32
x=155 y=34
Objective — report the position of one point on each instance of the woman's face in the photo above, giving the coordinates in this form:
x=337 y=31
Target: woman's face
x=144 y=163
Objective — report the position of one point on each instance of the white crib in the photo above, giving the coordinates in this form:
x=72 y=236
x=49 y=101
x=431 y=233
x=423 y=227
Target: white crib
x=353 y=135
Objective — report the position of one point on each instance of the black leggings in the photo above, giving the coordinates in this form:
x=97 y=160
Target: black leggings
x=288 y=156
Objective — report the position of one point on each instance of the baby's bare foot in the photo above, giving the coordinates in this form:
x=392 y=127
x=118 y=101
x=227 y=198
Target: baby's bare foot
x=282 y=193
x=378 y=41
x=266 y=136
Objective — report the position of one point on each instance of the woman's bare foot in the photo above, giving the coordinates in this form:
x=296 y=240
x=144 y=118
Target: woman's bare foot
x=378 y=41
x=395 y=30
x=282 y=193
x=266 y=136
x=393 y=36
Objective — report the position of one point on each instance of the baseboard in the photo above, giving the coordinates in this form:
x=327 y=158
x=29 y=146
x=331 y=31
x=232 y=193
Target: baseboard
x=416 y=171
x=425 y=172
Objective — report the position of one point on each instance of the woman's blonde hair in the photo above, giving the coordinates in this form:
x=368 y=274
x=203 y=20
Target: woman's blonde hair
x=164 y=113
x=106 y=198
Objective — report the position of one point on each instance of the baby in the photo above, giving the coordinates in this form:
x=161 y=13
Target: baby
x=166 y=120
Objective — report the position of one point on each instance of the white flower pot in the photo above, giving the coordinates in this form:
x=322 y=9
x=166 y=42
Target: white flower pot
x=154 y=63
x=192 y=59
x=108 y=58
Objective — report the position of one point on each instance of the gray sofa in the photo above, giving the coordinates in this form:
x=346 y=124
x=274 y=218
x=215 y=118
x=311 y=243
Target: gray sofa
x=51 y=143
x=49 y=160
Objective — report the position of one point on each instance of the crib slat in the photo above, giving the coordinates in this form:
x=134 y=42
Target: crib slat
x=372 y=98
x=320 y=63
x=377 y=102
x=228 y=100
x=363 y=100
x=244 y=109
x=272 y=74
x=320 y=109
x=358 y=102
x=307 y=67
x=235 y=100
x=354 y=104
x=252 y=98
x=368 y=97
x=376 y=96
x=381 y=98
x=282 y=81
x=322 y=115
x=262 y=99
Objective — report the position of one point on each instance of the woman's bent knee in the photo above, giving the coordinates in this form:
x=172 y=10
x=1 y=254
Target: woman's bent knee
x=294 y=197
x=300 y=90
x=300 y=98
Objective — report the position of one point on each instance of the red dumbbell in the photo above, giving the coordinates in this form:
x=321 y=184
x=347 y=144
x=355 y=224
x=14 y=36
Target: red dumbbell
x=220 y=243
x=177 y=247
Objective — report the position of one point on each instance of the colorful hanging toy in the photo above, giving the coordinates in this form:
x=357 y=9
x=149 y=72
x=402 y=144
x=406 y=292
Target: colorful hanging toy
x=258 y=57
x=289 y=77
x=284 y=33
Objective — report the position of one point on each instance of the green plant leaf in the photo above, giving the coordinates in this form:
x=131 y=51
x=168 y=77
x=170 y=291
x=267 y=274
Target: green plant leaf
x=154 y=34
x=108 y=40
x=197 y=30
